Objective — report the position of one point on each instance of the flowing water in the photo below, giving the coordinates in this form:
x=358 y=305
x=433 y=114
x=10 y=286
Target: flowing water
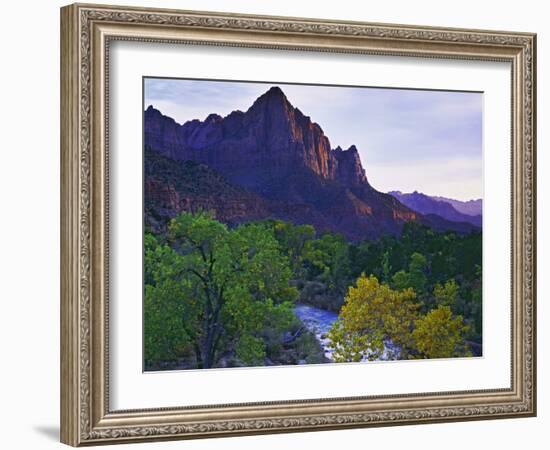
x=319 y=321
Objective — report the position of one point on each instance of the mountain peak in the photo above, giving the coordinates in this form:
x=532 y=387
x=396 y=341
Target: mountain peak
x=212 y=118
x=351 y=150
x=151 y=110
x=273 y=96
x=275 y=91
x=350 y=169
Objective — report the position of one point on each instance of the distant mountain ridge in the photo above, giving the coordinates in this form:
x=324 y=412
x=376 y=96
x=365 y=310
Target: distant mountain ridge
x=273 y=162
x=440 y=206
x=470 y=207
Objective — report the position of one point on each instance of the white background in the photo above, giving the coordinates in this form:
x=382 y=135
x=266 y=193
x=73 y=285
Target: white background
x=29 y=229
x=132 y=389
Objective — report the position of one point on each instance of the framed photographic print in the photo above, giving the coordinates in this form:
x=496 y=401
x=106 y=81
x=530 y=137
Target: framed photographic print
x=276 y=224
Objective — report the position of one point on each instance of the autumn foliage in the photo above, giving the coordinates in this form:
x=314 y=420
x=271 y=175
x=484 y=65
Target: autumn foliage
x=377 y=322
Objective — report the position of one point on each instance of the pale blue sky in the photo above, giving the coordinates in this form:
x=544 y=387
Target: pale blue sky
x=429 y=141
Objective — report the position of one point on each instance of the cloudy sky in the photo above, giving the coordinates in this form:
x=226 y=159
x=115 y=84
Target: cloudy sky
x=429 y=141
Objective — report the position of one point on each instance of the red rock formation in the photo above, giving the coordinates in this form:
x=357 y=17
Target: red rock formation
x=272 y=135
x=283 y=164
x=162 y=194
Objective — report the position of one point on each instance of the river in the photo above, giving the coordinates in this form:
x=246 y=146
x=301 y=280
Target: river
x=319 y=321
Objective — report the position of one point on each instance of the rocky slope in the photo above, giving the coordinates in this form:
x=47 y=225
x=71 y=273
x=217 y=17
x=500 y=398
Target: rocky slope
x=173 y=186
x=271 y=161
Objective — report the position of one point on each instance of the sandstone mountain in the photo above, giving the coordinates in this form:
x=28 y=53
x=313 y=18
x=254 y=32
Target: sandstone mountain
x=271 y=161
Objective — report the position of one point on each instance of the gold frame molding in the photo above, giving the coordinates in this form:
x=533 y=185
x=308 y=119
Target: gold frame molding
x=86 y=31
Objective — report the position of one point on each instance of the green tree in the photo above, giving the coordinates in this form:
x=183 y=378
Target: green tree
x=440 y=335
x=328 y=258
x=163 y=305
x=386 y=267
x=476 y=310
x=417 y=269
x=401 y=280
x=415 y=278
x=293 y=239
x=227 y=285
x=373 y=313
x=447 y=294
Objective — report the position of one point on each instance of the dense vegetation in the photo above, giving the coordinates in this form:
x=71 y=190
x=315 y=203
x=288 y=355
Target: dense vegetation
x=217 y=296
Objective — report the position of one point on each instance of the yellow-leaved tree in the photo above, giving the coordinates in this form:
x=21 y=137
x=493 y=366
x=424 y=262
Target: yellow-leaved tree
x=440 y=335
x=373 y=314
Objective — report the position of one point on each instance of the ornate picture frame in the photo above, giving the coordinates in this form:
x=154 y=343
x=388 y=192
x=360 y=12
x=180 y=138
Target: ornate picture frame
x=87 y=31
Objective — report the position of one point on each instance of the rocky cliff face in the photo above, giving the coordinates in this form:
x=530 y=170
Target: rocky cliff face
x=270 y=140
x=278 y=163
x=349 y=170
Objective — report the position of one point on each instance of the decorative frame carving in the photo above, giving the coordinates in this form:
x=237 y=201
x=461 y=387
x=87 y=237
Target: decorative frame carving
x=86 y=31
